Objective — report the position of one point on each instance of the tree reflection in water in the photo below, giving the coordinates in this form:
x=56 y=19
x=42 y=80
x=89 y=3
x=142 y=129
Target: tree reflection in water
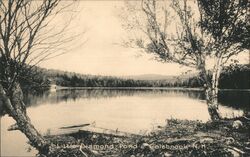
x=235 y=99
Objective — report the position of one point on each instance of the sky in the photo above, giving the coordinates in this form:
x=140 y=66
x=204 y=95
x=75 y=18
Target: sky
x=102 y=52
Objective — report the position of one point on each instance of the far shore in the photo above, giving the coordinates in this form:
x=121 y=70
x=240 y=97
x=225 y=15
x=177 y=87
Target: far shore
x=147 y=88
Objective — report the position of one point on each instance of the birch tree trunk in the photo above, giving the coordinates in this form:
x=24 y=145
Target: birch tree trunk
x=212 y=92
x=14 y=106
x=212 y=102
x=211 y=87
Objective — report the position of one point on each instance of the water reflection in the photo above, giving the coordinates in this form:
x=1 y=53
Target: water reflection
x=234 y=99
x=127 y=109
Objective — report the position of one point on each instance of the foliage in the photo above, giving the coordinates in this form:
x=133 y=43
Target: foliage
x=204 y=35
x=235 y=77
x=232 y=77
x=226 y=21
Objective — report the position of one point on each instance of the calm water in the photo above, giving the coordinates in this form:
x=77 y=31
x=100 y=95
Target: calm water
x=127 y=110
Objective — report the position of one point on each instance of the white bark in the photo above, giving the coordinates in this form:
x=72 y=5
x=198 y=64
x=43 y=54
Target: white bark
x=212 y=91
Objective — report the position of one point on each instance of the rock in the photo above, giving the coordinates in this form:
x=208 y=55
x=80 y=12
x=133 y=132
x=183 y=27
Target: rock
x=237 y=124
x=167 y=154
x=145 y=145
x=94 y=152
x=233 y=152
x=206 y=140
x=94 y=136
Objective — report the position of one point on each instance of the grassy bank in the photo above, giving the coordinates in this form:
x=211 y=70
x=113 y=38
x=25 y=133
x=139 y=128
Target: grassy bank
x=177 y=138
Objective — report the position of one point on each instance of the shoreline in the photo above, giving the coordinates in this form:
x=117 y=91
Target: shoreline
x=145 y=88
x=184 y=138
x=136 y=88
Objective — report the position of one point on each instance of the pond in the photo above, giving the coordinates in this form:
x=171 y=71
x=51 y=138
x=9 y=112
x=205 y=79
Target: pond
x=130 y=110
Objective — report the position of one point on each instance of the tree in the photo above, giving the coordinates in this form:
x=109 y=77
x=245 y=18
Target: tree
x=205 y=35
x=26 y=39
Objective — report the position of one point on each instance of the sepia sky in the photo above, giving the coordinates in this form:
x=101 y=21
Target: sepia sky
x=102 y=53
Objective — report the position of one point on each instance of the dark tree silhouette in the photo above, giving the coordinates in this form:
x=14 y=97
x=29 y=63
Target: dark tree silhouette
x=27 y=38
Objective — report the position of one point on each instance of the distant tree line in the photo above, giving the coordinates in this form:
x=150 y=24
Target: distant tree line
x=98 y=81
x=232 y=77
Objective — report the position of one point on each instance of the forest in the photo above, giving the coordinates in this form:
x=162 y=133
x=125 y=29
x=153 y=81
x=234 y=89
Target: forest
x=232 y=77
